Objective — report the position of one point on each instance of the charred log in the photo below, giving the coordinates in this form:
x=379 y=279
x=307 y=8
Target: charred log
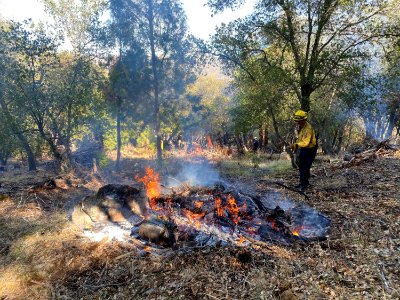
x=158 y=231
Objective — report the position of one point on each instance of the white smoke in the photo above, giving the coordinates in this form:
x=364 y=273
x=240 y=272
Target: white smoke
x=199 y=173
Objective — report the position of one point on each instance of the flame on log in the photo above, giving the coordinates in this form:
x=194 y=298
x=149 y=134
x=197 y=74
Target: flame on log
x=152 y=184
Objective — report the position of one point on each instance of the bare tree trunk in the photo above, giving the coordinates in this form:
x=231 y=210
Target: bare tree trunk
x=391 y=125
x=263 y=136
x=306 y=91
x=53 y=147
x=155 y=83
x=119 y=141
x=28 y=150
x=69 y=131
x=239 y=144
x=23 y=140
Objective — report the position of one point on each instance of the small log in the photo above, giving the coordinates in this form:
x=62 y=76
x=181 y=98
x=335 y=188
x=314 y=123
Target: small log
x=158 y=231
x=256 y=242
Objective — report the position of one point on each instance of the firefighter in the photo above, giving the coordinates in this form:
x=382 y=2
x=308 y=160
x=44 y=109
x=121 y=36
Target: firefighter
x=306 y=147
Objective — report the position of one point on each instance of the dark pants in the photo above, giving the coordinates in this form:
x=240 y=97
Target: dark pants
x=306 y=158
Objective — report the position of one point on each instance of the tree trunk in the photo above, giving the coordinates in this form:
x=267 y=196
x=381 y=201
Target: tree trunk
x=266 y=139
x=306 y=91
x=4 y=158
x=391 y=125
x=155 y=83
x=288 y=149
x=263 y=136
x=119 y=142
x=28 y=150
x=370 y=132
x=340 y=141
x=69 y=131
x=239 y=144
x=53 y=147
x=23 y=140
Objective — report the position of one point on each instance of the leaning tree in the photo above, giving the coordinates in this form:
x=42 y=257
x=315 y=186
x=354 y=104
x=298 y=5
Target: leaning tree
x=321 y=36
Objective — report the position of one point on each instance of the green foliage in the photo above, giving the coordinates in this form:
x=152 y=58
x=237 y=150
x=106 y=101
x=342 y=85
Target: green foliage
x=157 y=33
x=110 y=139
x=147 y=139
x=311 y=39
x=255 y=160
x=77 y=20
x=264 y=100
x=8 y=143
x=103 y=161
x=210 y=104
x=286 y=55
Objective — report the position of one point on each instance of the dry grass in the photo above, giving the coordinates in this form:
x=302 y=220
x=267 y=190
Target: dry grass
x=254 y=166
x=42 y=256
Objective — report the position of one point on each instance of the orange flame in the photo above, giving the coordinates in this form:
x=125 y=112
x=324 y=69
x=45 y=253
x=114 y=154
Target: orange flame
x=193 y=217
x=151 y=182
x=209 y=142
x=233 y=208
x=241 y=240
x=274 y=226
x=296 y=231
x=218 y=206
x=198 y=150
x=198 y=204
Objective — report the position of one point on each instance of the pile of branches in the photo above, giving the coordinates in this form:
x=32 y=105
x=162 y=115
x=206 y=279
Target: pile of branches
x=374 y=150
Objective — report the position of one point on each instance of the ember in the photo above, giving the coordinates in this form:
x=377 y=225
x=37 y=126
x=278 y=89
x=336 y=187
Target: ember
x=193 y=217
x=230 y=217
x=218 y=214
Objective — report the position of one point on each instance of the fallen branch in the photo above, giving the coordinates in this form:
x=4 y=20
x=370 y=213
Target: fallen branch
x=286 y=187
x=256 y=242
x=384 y=281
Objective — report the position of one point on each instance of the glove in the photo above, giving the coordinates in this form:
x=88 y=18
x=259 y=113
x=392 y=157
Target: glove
x=293 y=147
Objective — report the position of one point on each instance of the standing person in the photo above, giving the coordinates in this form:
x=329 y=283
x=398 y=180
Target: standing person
x=306 y=145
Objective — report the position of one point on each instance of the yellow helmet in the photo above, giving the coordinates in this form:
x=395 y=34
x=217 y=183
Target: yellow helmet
x=300 y=115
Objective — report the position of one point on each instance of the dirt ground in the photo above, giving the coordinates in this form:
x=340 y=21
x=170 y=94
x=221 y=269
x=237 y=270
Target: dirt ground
x=43 y=256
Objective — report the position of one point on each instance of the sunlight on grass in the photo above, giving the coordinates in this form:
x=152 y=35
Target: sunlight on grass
x=26 y=265
x=44 y=251
x=12 y=282
x=254 y=166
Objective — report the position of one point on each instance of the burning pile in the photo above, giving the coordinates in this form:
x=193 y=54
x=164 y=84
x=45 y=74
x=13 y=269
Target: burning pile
x=207 y=215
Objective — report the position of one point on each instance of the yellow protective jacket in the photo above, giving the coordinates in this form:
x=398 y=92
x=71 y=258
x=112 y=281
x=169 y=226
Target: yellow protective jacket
x=306 y=138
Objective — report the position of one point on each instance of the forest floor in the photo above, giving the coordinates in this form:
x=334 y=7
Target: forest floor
x=44 y=256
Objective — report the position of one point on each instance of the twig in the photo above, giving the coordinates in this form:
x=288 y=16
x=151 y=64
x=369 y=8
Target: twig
x=211 y=296
x=255 y=242
x=167 y=187
x=286 y=187
x=326 y=173
x=123 y=256
x=4 y=250
x=384 y=281
x=37 y=197
x=104 y=285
